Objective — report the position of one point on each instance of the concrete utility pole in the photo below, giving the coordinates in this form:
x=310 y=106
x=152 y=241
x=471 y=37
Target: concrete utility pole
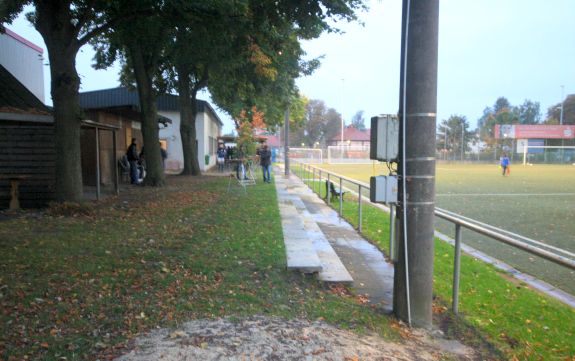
x=413 y=280
x=286 y=141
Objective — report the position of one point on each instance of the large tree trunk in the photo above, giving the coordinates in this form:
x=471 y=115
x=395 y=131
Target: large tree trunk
x=149 y=116
x=60 y=38
x=188 y=112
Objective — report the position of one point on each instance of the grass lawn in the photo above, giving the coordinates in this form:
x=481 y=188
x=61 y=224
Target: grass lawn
x=535 y=201
x=523 y=323
x=78 y=282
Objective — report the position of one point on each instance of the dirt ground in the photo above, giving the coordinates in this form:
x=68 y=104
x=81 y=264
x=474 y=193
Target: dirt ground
x=264 y=338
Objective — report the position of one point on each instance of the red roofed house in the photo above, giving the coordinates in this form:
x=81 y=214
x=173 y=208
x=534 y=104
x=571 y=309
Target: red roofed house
x=352 y=137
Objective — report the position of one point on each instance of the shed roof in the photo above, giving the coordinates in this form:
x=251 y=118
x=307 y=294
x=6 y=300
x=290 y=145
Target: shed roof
x=122 y=96
x=15 y=98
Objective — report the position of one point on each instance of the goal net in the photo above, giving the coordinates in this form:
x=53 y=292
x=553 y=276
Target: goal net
x=306 y=155
x=348 y=154
x=539 y=154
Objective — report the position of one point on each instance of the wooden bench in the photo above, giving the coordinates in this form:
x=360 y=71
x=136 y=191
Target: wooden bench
x=333 y=191
x=14 y=188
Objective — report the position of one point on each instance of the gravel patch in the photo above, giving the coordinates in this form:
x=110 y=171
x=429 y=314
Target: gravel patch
x=264 y=338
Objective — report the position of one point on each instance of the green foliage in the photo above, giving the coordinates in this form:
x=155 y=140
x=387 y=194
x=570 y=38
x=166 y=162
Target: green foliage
x=554 y=111
x=319 y=125
x=454 y=134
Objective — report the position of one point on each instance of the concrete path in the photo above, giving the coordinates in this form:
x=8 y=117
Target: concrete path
x=311 y=226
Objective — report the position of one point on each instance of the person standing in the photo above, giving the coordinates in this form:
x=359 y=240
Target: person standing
x=505 y=163
x=221 y=157
x=265 y=162
x=164 y=155
x=133 y=158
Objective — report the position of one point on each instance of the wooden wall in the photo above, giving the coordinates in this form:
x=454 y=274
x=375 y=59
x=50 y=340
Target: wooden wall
x=27 y=149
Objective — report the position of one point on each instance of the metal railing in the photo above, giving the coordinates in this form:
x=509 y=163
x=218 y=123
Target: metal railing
x=305 y=171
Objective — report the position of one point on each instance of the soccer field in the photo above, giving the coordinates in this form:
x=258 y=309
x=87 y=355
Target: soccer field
x=537 y=202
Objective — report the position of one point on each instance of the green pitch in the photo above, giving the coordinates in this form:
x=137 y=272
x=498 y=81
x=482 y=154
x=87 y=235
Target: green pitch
x=536 y=201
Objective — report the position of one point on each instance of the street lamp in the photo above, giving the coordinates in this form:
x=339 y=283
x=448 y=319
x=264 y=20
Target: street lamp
x=562 y=103
x=341 y=104
x=462 y=136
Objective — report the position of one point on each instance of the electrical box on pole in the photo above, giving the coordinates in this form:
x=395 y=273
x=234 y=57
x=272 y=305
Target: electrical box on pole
x=383 y=189
x=384 y=138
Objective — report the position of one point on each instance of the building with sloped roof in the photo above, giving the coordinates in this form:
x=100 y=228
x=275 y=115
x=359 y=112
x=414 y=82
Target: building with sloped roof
x=27 y=154
x=123 y=102
x=351 y=137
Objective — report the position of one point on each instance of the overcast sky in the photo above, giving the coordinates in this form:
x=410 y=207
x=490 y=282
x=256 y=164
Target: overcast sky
x=519 y=49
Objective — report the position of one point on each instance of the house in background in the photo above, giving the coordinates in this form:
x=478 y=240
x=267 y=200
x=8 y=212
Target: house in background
x=352 y=137
x=122 y=103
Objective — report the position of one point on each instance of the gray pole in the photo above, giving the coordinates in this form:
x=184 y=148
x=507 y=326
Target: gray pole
x=286 y=141
x=462 y=141
x=562 y=103
x=413 y=276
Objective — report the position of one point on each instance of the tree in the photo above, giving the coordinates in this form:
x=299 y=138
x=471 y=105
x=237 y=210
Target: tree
x=66 y=26
x=503 y=113
x=455 y=135
x=358 y=121
x=267 y=77
x=554 y=111
x=143 y=63
x=529 y=112
x=500 y=104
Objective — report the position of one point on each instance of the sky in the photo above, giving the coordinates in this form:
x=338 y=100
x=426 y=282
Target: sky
x=519 y=49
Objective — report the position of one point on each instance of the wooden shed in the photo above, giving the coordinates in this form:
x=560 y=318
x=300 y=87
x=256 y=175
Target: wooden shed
x=27 y=152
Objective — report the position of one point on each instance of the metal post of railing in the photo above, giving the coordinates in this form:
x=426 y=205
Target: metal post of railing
x=392 y=240
x=319 y=185
x=327 y=190
x=456 y=268
x=359 y=209
x=313 y=181
x=340 y=198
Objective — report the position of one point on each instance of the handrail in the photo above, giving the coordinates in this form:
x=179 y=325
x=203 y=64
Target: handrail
x=459 y=221
x=550 y=256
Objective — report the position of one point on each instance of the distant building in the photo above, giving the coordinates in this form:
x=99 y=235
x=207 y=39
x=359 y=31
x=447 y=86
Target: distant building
x=24 y=60
x=352 y=137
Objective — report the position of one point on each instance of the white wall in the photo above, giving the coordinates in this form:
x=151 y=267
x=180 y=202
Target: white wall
x=24 y=61
x=205 y=127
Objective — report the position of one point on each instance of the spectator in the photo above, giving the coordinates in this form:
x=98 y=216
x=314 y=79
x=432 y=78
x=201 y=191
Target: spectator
x=265 y=161
x=133 y=158
x=164 y=155
x=221 y=157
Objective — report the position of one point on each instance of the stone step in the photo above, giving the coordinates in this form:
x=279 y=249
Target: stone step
x=333 y=270
x=300 y=252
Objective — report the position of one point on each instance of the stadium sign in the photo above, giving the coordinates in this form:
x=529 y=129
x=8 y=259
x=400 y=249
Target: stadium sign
x=539 y=131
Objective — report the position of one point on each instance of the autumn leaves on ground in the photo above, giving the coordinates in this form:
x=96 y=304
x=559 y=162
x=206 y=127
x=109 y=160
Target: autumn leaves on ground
x=80 y=281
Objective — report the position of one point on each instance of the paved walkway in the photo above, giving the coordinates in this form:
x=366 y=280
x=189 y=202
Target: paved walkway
x=303 y=211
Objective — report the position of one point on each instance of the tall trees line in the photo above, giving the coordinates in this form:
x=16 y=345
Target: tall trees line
x=454 y=134
x=245 y=52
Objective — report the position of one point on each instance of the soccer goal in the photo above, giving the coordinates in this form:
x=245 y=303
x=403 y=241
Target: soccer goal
x=306 y=155
x=539 y=154
x=337 y=154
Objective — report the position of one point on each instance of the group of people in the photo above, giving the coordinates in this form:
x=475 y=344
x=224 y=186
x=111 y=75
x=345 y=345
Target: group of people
x=137 y=162
x=264 y=154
